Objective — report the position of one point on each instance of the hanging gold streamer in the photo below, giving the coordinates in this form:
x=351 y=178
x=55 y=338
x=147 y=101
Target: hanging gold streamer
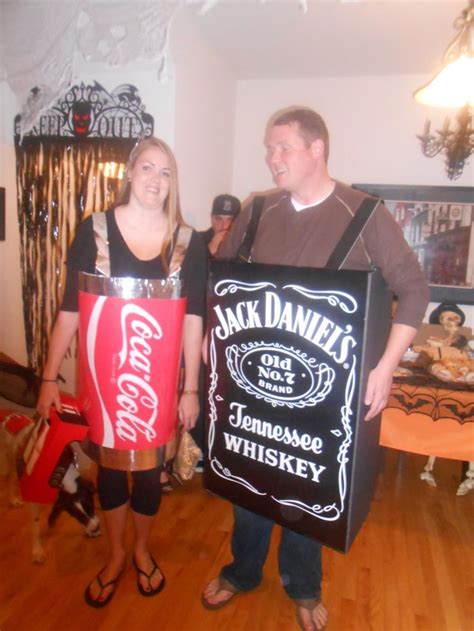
x=59 y=183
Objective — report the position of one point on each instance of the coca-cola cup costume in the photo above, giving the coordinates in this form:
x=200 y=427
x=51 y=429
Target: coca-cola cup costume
x=130 y=334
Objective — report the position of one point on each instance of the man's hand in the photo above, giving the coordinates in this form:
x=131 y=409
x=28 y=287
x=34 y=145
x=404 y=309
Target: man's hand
x=216 y=241
x=380 y=378
x=378 y=390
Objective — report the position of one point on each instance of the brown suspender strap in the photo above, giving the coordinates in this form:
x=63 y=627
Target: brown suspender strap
x=245 y=251
x=352 y=232
x=102 y=261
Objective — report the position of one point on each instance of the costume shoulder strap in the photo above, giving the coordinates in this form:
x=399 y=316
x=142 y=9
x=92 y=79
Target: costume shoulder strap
x=245 y=251
x=352 y=232
x=102 y=261
x=179 y=251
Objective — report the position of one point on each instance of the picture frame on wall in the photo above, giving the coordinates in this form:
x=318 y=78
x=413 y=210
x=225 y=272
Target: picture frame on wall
x=2 y=214
x=438 y=224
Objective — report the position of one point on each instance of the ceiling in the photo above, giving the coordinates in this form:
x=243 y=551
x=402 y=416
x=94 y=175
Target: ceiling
x=278 y=39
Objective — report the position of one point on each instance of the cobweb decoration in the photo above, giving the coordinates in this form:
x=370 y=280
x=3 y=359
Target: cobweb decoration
x=38 y=49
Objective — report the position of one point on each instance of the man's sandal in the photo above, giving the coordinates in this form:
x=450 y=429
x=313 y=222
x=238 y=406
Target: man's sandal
x=310 y=604
x=222 y=584
x=152 y=591
x=99 y=602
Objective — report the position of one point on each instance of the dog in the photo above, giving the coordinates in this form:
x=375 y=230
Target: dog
x=75 y=495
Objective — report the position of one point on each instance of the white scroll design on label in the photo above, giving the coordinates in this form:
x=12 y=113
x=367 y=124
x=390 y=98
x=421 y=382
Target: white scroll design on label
x=340 y=299
x=231 y=286
x=216 y=465
x=319 y=376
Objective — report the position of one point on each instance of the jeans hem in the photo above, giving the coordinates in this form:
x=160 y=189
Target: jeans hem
x=235 y=583
x=304 y=596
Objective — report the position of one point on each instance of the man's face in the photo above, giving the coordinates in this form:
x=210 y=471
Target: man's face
x=292 y=162
x=221 y=223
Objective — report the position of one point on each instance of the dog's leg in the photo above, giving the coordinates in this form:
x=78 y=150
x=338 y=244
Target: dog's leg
x=38 y=554
x=427 y=476
x=14 y=497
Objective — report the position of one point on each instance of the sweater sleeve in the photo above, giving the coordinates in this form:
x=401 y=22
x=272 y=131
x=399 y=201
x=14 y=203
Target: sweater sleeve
x=400 y=267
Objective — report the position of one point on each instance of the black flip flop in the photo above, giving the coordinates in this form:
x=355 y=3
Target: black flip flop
x=96 y=602
x=151 y=591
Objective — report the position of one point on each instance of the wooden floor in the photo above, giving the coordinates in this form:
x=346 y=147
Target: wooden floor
x=411 y=567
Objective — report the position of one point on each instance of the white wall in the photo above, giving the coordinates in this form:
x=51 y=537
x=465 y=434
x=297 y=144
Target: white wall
x=12 y=333
x=205 y=111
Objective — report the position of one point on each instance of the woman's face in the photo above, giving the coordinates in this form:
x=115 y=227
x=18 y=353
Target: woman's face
x=150 y=178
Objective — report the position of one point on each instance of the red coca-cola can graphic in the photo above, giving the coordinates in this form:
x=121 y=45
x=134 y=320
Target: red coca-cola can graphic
x=130 y=338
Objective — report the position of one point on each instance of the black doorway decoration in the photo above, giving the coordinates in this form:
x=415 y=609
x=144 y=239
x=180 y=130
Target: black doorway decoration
x=67 y=168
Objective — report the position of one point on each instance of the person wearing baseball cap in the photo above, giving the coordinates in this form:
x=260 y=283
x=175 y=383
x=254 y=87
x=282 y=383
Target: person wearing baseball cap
x=225 y=209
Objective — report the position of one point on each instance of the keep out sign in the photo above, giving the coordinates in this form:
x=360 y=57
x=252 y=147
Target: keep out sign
x=290 y=350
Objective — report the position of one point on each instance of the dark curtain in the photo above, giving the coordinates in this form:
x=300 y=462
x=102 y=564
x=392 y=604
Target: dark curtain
x=60 y=182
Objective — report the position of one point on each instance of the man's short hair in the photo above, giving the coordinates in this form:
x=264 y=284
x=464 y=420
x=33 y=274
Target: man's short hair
x=311 y=125
x=226 y=205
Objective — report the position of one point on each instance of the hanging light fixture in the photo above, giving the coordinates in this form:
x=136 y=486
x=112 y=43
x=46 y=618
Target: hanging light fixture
x=453 y=86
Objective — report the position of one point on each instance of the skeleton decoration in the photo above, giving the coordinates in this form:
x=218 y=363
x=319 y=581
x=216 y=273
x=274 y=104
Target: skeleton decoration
x=451 y=318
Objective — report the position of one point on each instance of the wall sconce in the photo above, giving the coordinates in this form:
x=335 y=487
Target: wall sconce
x=453 y=86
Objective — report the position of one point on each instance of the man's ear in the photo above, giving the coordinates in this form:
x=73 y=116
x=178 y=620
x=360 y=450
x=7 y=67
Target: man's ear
x=317 y=148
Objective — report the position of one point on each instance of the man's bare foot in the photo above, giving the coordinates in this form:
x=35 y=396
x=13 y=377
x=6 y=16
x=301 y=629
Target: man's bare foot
x=311 y=614
x=218 y=593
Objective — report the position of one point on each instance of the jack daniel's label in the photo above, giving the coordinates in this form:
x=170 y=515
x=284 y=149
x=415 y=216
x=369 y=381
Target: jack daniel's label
x=285 y=373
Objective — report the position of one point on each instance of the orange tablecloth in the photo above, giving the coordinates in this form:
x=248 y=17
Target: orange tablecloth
x=429 y=418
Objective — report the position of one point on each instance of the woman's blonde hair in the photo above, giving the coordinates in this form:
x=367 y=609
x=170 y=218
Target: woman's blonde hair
x=172 y=208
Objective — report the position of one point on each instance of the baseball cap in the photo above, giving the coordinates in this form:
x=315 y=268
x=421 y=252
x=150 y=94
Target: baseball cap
x=226 y=205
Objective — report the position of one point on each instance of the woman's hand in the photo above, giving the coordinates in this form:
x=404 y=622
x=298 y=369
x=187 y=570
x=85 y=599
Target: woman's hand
x=188 y=410
x=48 y=396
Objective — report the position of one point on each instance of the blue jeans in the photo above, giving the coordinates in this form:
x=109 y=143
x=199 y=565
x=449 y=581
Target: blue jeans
x=299 y=557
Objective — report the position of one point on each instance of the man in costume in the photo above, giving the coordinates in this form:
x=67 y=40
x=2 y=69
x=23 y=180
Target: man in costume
x=300 y=225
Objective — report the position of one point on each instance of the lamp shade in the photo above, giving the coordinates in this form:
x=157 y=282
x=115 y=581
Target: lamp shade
x=453 y=86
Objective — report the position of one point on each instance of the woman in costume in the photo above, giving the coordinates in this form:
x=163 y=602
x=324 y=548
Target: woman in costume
x=142 y=231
